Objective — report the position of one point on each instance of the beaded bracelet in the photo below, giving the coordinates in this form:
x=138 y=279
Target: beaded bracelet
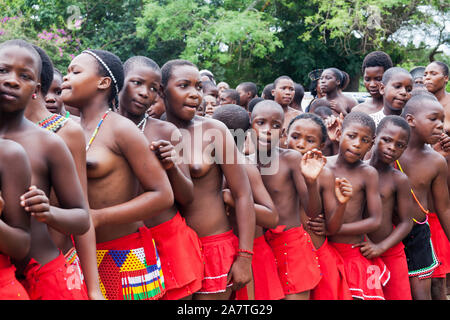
x=245 y=251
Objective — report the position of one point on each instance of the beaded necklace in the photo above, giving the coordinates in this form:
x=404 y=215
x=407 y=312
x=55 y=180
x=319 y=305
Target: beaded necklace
x=415 y=198
x=143 y=123
x=94 y=134
x=52 y=123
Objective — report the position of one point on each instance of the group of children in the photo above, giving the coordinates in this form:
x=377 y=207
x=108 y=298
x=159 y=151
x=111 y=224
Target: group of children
x=135 y=182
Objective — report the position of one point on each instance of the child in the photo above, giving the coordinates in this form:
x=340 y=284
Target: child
x=373 y=67
x=247 y=91
x=229 y=96
x=267 y=92
x=209 y=104
x=396 y=86
x=79 y=252
x=126 y=182
x=331 y=82
x=386 y=242
x=417 y=74
x=427 y=171
x=291 y=181
x=222 y=86
x=298 y=97
x=53 y=100
x=266 y=282
x=44 y=268
x=211 y=160
x=178 y=245
x=365 y=278
x=157 y=108
x=307 y=132
x=15 y=178
x=210 y=89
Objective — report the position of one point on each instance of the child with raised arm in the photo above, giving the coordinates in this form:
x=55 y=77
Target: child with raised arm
x=391 y=141
x=365 y=278
x=373 y=67
x=15 y=178
x=427 y=172
x=307 y=132
x=44 y=268
x=266 y=283
x=292 y=183
x=178 y=245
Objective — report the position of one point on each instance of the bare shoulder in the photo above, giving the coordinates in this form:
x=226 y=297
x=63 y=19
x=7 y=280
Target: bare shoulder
x=399 y=177
x=362 y=107
x=11 y=151
x=289 y=155
x=71 y=130
x=367 y=171
x=163 y=129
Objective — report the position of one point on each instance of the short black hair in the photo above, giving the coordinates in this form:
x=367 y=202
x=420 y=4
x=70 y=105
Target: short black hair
x=420 y=90
x=233 y=116
x=395 y=120
x=321 y=102
x=299 y=93
x=443 y=66
x=281 y=78
x=208 y=85
x=314 y=118
x=46 y=71
x=416 y=103
x=233 y=94
x=140 y=61
x=253 y=102
x=267 y=92
x=359 y=117
x=115 y=65
x=57 y=72
x=249 y=87
x=377 y=59
x=271 y=103
x=26 y=45
x=167 y=69
x=389 y=73
x=323 y=111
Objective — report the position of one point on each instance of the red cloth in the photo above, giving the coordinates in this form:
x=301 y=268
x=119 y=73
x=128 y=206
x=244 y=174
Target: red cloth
x=365 y=277
x=265 y=274
x=441 y=246
x=333 y=285
x=219 y=252
x=398 y=287
x=179 y=249
x=10 y=287
x=53 y=281
x=296 y=259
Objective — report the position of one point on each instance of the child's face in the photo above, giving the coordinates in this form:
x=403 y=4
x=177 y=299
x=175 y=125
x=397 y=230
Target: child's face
x=328 y=81
x=53 y=100
x=305 y=135
x=390 y=143
x=267 y=123
x=18 y=78
x=183 y=92
x=372 y=80
x=284 y=92
x=209 y=105
x=243 y=95
x=356 y=140
x=429 y=122
x=157 y=108
x=140 y=89
x=397 y=91
x=434 y=78
x=81 y=82
x=225 y=99
x=211 y=91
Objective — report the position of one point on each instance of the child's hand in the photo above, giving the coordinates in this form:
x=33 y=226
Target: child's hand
x=165 y=152
x=36 y=202
x=343 y=190
x=334 y=126
x=443 y=146
x=369 y=249
x=312 y=164
x=240 y=273
x=317 y=225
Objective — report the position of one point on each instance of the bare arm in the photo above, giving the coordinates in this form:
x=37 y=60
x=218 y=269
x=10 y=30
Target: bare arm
x=439 y=189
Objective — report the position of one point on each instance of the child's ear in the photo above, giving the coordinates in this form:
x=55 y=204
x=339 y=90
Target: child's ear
x=411 y=120
x=104 y=83
x=37 y=90
x=273 y=92
x=381 y=88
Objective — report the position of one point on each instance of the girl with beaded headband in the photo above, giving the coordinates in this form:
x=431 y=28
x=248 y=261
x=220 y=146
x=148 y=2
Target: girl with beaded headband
x=178 y=245
x=119 y=163
x=80 y=252
x=44 y=267
x=209 y=163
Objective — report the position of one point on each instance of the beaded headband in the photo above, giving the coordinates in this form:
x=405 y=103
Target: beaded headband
x=104 y=65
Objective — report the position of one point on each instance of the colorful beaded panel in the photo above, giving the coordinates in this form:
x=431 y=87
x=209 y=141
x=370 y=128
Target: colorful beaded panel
x=53 y=123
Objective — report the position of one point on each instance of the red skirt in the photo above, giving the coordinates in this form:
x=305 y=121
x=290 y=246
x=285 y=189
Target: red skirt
x=219 y=252
x=398 y=287
x=265 y=274
x=53 y=281
x=333 y=285
x=296 y=260
x=365 y=278
x=179 y=249
x=10 y=287
x=441 y=246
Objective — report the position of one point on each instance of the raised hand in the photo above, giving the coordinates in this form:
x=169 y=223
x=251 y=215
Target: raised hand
x=443 y=146
x=36 y=202
x=312 y=164
x=165 y=152
x=334 y=126
x=343 y=190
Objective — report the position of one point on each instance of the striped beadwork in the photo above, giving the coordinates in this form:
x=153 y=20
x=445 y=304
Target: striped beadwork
x=52 y=123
